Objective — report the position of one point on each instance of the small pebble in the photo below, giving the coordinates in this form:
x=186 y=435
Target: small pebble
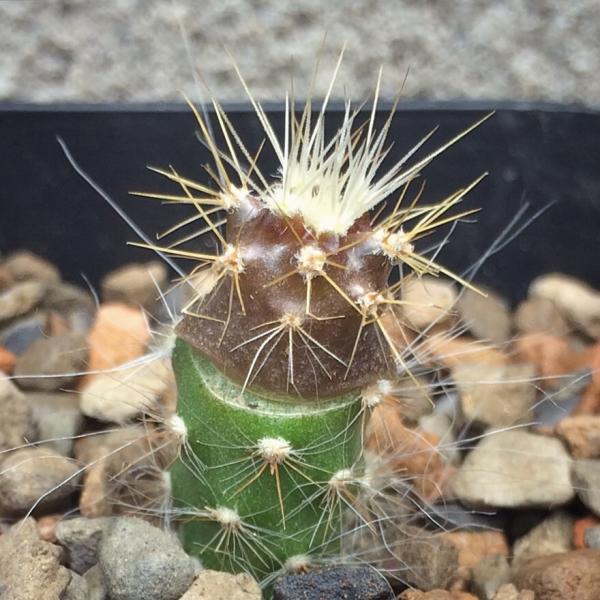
x=592 y=537
x=77 y=588
x=509 y=592
x=575 y=300
x=24 y=265
x=572 y=575
x=119 y=334
x=81 y=539
x=121 y=395
x=20 y=299
x=580 y=528
x=553 y=535
x=540 y=315
x=581 y=434
x=57 y=419
x=52 y=363
x=453 y=352
x=15 y=412
x=30 y=569
x=46 y=527
x=434 y=299
x=489 y=574
x=515 y=469
x=334 y=583
x=142 y=562
x=7 y=361
x=35 y=476
x=586 y=480
x=435 y=595
x=20 y=334
x=473 y=546
x=487 y=317
x=137 y=284
x=214 y=585
x=95 y=584
x=496 y=396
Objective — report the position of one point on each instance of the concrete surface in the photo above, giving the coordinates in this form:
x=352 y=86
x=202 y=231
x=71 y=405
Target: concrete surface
x=121 y=50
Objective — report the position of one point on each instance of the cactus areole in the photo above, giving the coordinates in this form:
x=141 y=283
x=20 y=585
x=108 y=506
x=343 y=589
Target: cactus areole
x=290 y=321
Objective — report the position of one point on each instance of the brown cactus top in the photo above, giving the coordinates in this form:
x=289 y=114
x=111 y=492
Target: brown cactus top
x=288 y=317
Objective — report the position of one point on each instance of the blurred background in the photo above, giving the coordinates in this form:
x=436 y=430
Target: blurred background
x=134 y=50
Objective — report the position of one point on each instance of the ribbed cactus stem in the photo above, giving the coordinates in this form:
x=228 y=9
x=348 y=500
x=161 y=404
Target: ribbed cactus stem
x=266 y=479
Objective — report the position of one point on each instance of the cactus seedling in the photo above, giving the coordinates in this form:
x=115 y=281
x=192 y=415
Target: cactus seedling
x=292 y=332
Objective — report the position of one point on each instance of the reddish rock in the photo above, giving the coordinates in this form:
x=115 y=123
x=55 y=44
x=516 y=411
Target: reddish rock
x=580 y=527
x=7 y=361
x=572 y=575
x=472 y=546
x=581 y=433
x=411 y=452
x=464 y=350
x=509 y=592
x=119 y=334
x=551 y=355
x=46 y=527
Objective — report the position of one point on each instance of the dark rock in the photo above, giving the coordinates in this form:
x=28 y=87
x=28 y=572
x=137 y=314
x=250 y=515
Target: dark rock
x=334 y=583
x=81 y=538
x=59 y=357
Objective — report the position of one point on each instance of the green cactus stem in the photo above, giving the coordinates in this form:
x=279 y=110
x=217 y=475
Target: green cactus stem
x=257 y=511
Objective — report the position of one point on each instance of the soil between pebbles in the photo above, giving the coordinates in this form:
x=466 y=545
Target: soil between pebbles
x=501 y=464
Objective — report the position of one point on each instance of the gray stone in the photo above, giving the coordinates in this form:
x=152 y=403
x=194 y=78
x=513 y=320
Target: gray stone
x=81 y=539
x=36 y=477
x=142 y=562
x=586 y=480
x=552 y=536
x=20 y=299
x=30 y=568
x=487 y=317
x=489 y=574
x=214 y=585
x=592 y=537
x=15 y=413
x=334 y=583
x=57 y=419
x=52 y=363
x=95 y=583
x=77 y=588
x=496 y=395
x=20 y=334
x=515 y=469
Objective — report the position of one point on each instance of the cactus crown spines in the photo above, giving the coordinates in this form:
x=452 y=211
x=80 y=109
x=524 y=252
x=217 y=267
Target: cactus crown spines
x=297 y=299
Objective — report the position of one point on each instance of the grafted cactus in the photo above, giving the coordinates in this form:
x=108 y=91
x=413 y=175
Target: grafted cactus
x=292 y=335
